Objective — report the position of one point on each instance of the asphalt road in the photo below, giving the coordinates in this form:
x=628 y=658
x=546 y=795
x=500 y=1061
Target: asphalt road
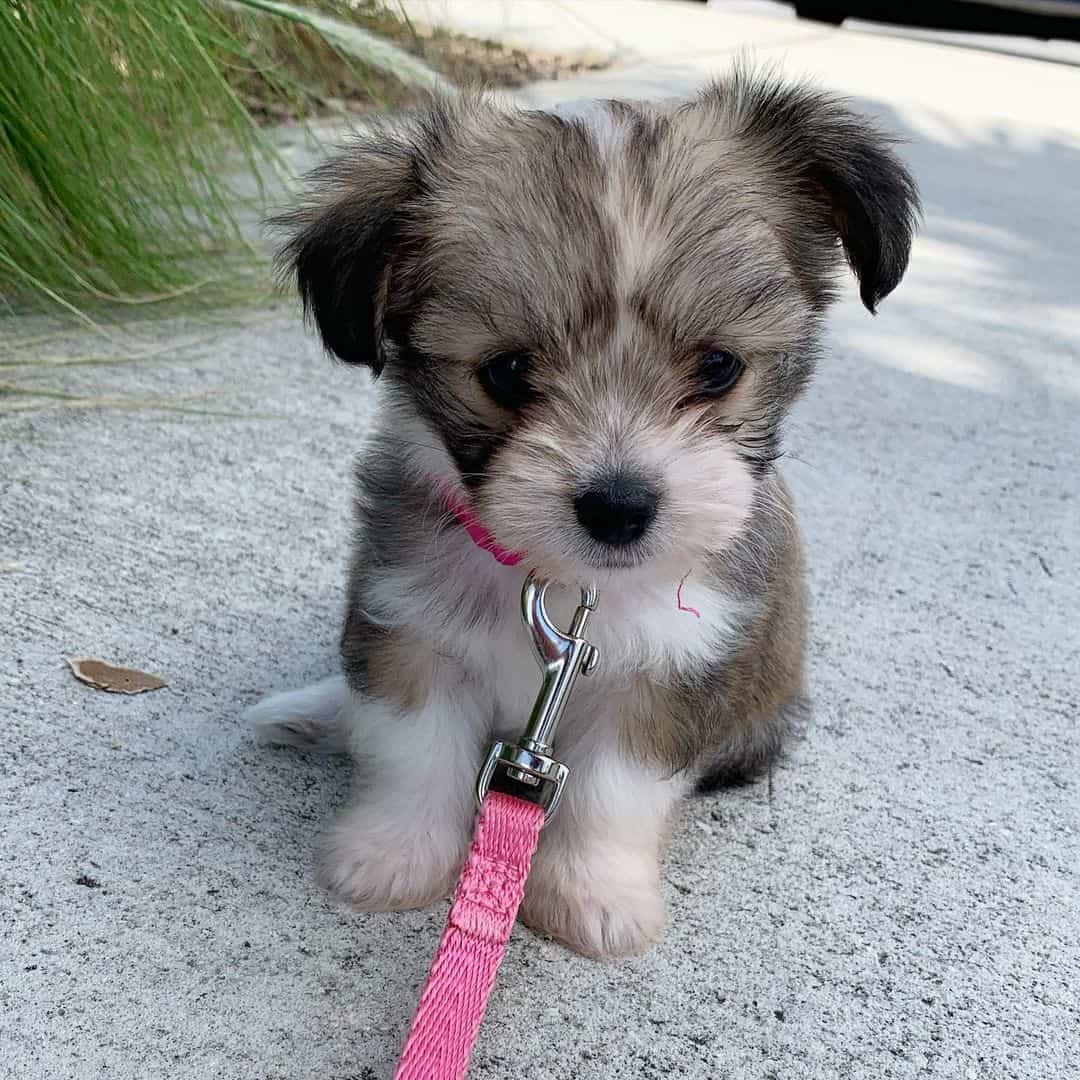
x=902 y=901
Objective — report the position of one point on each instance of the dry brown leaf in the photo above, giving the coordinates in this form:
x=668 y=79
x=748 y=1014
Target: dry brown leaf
x=116 y=680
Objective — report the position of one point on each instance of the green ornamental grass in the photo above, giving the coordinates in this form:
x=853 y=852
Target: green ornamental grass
x=122 y=122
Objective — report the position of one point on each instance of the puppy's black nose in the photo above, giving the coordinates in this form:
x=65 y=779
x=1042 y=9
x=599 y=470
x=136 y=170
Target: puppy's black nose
x=617 y=509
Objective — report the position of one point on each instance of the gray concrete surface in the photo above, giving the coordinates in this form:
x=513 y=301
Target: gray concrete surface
x=902 y=901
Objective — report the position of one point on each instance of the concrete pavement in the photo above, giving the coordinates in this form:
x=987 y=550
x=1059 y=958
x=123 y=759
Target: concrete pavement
x=902 y=901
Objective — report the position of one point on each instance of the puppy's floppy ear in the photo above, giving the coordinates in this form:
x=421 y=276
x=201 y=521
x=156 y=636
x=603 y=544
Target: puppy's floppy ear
x=838 y=159
x=343 y=237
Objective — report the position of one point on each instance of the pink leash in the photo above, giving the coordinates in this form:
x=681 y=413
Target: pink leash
x=517 y=789
x=488 y=894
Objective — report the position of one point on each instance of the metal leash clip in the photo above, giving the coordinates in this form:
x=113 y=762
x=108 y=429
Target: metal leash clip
x=527 y=769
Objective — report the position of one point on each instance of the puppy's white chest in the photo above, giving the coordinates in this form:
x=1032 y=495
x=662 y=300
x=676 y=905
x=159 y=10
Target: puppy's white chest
x=663 y=627
x=653 y=628
x=471 y=608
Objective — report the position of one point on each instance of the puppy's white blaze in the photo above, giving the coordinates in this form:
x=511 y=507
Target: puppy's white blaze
x=313 y=718
x=608 y=136
x=637 y=241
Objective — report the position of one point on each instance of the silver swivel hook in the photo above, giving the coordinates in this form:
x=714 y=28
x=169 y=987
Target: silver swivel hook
x=527 y=769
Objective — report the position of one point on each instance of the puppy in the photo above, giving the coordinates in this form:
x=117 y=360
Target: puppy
x=589 y=330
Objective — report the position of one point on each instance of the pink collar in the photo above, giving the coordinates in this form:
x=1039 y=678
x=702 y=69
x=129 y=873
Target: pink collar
x=479 y=535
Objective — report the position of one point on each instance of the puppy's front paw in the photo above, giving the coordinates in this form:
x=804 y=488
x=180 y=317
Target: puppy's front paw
x=602 y=915
x=377 y=864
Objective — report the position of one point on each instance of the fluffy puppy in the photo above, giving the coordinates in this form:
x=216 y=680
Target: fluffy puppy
x=589 y=329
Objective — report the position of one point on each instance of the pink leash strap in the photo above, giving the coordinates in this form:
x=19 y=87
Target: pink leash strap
x=481 y=918
x=492 y=882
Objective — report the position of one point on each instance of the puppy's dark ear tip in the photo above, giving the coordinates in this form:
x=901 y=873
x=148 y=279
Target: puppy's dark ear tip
x=879 y=278
x=872 y=297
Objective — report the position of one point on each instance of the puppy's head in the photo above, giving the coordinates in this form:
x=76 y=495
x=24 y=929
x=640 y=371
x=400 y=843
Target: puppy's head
x=598 y=323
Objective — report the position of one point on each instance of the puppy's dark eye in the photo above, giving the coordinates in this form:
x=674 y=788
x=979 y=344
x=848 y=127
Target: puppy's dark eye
x=719 y=372
x=506 y=379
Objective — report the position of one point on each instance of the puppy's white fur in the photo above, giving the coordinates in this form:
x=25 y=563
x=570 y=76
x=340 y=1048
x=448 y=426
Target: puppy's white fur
x=313 y=718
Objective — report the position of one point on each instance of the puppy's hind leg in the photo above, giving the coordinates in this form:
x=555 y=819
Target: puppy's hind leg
x=315 y=718
x=750 y=754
